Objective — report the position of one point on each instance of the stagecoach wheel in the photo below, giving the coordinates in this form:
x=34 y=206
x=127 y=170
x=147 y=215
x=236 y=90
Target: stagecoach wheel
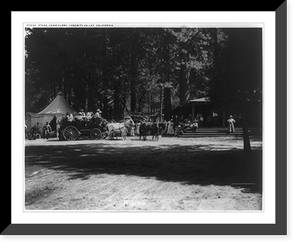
x=96 y=133
x=71 y=133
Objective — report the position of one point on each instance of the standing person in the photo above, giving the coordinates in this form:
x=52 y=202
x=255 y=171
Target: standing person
x=215 y=117
x=137 y=128
x=176 y=121
x=231 y=122
x=157 y=119
x=171 y=128
x=201 y=120
x=36 y=131
x=167 y=126
x=46 y=130
x=58 y=127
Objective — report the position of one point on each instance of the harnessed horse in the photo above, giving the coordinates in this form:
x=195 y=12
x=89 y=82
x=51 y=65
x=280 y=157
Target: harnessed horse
x=120 y=129
x=153 y=128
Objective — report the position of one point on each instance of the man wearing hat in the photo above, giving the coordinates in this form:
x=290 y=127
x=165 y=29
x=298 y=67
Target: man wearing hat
x=47 y=130
x=231 y=122
x=81 y=113
x=98 y=114
x=97 y=117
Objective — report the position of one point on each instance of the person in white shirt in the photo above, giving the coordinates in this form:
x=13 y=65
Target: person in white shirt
x=231 y=122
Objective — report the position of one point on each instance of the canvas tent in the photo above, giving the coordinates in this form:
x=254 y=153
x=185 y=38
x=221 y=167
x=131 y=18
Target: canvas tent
x=58 y=107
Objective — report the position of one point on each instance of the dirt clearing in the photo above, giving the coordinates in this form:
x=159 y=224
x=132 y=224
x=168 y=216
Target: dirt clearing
x=209 y=173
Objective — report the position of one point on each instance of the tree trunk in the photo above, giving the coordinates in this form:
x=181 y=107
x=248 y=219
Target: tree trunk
x=69 y=94
x=133 y=83
x=86 y=103
x=78 y=89
x=184 y=78
x=117 y=114
x=105 y=107
x=183 y=88
x=247 y=146
x=216 y=47
x=133 y=97
x=149 y=102
x=167 y=103
x=187 y=80
x=53 y=90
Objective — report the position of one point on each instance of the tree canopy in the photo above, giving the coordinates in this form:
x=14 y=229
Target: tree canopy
x=127 y=68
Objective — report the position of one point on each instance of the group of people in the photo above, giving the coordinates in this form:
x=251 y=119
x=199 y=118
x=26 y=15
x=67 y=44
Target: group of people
x=81 y=115
x=172 y=127
x=191 y=124
x=168 y=128
x=175 y=128
x=37 y=131
x=82 y=119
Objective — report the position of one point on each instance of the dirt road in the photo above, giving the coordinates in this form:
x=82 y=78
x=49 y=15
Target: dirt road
x=170 y=174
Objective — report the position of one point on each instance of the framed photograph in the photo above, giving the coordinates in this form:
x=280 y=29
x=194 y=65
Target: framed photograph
x=134 y=125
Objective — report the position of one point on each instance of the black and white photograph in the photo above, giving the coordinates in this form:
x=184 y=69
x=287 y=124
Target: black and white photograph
x=143 y=117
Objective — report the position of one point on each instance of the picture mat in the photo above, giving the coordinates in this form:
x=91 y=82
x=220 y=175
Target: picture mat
x=207 y=19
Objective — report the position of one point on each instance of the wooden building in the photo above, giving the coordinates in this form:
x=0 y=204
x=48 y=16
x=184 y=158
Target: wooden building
x=201 y=106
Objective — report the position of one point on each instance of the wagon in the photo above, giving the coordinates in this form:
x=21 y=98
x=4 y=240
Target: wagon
x=72 y=130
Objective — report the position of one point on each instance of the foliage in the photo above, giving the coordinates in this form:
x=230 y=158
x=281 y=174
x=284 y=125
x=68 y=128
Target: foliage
x=117 y=69
x=114 y=68
x=236 y=77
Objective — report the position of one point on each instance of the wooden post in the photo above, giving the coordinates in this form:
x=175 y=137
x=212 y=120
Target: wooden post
x=161 y=102
x=167 y=103
x=193 y=112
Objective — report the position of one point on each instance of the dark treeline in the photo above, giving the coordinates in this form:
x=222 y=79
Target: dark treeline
x=117 y=69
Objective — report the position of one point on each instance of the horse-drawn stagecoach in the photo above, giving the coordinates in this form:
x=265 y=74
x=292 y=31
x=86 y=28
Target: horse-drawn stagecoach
x=92 y=128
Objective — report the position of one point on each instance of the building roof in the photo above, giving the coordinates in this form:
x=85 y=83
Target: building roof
x=200 y=100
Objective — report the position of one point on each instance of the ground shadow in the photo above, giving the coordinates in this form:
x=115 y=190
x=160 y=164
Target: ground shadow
x=195 y=164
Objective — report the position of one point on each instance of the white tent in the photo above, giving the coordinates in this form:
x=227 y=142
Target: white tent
x=58 y=107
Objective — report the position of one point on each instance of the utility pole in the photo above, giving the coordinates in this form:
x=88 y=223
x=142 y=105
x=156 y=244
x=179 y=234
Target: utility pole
x=161 y=101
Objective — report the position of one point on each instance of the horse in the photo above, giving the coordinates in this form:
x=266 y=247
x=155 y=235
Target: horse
x=155 y=131
x=145 y=128
x=158 y=129
x=154 y=128
x=116 y=129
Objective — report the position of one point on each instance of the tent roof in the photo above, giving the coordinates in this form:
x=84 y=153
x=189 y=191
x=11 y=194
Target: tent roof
x=58 y=106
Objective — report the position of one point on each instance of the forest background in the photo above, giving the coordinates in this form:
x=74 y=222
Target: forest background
x=142 y=69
